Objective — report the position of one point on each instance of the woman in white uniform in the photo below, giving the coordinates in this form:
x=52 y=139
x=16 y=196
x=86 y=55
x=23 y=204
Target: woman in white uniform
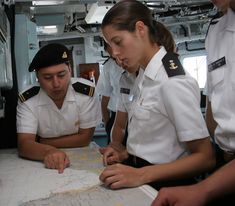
x=119 y=132
x=168 y=141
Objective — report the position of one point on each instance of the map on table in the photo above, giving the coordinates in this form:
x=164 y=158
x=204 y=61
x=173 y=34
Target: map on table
x=28 y=183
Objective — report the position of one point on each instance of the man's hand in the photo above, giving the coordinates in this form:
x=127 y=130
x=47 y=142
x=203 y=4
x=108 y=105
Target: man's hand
x=56 y=159
x=112 y=155
x=180 y=196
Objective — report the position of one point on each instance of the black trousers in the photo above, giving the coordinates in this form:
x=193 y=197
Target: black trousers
x=139 y=162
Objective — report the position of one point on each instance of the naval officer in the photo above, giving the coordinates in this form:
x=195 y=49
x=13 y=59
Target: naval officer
x=57 y=112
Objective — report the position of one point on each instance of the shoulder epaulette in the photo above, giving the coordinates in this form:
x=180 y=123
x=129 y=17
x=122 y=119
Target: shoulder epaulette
x=172 y=65
x=29 y=93
x=84 y=89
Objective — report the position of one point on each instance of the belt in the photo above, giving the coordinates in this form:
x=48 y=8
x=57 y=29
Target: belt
x=228 y=156
x=137 y=161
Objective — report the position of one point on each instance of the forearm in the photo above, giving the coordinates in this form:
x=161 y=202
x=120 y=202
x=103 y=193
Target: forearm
x=185 y=167
x=119 y=128
x=105 y=115
x=117 y=135
x=219 y=184
x=104 y=109
x=79 y=139
x=210 y=122
x=33 y=150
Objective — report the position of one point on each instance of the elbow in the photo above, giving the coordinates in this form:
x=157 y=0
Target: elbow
x=21 y=152
x=85 y=143
x=210 y=162
x=22 y=148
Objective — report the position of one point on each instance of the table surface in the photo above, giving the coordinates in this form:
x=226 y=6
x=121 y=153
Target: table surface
x=28 y=183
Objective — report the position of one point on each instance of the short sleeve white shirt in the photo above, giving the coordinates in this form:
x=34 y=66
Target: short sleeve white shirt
x=111 y=76
x=126 y=96
x=221 y=81
x=39 y=115
x=165 y=114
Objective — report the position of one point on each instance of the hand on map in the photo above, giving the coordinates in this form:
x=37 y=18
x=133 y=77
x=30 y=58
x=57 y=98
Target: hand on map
x=56 y=159
x=112 y=156
x=119 y=176
x=180 y=196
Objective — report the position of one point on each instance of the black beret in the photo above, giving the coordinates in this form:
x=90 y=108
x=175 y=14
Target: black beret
x=49 y=55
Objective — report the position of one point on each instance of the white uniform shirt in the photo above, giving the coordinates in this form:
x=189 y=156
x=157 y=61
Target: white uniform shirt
x=221 y=80
x=39 y=115
x=165 y=114
x=126 y=97
x=111 y=76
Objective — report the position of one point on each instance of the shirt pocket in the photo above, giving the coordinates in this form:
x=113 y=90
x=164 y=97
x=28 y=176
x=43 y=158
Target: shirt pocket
x=217 y=76
x=142 y=113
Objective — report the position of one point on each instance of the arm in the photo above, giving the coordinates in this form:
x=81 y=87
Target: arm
x=210 y=122
x=201 y=159
x=104 y=109
x=81 y=139
x=203 y=192
x=52 y=157
x=29 y=148
x=116 y=152
x=119 y=128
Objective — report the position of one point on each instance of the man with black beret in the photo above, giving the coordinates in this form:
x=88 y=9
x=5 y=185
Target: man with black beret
x=57 y=112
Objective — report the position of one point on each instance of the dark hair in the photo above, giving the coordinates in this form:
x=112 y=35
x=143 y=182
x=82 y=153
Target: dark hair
x=164 y=37
x=125 y=14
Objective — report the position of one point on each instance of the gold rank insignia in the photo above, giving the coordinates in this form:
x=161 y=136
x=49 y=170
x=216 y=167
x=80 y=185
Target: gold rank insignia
x=172 y=65
x=84 y=89
x=29 y=93
x=64 y=56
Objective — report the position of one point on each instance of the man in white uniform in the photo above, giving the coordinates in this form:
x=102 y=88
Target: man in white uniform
x=109 y=90
x=220 y=115
x=59 y=112
x=218 y=189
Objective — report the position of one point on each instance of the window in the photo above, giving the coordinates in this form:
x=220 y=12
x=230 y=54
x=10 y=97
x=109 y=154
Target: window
x=196 y=66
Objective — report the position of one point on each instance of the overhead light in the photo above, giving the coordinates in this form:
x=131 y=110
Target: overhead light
x=47 y=30
x=96 y=13
x=46 y=3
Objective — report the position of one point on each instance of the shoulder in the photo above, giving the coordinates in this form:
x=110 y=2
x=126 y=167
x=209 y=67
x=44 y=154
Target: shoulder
x=83 y=86
x=172 y=65
x=107 y=60
x=127 y=78
x=29 y=92
x=180 y=87
x=110 y=64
